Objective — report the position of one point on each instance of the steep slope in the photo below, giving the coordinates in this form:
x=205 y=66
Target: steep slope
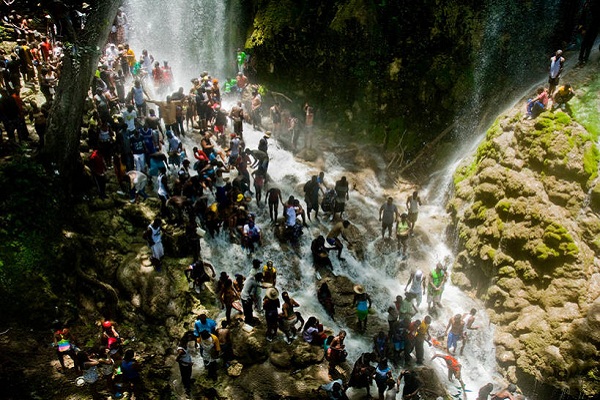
x=525 y=214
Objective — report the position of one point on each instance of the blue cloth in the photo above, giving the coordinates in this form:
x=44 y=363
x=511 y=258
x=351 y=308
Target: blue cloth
x=209 y=326
x=452 y=340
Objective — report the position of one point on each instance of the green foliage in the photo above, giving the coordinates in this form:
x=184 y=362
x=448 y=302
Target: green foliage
x=270 y=21
x=31 y=230
x=5 y=33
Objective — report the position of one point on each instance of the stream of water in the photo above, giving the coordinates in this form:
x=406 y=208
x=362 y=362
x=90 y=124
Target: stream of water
x=189 y=35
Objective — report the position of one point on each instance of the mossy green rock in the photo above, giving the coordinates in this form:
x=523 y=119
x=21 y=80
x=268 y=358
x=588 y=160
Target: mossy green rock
x=526 y=215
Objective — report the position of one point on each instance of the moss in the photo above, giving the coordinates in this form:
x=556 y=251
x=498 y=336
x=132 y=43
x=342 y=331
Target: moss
x=507 y=271
x=479 y=210
x=585 y=107
x=464 y=172
x=503 y=207
x=494 y=131
x=543 y=252
x=559 y=242
x=544 y=123
x=271 y=20
x=562 y=118
x=591 y=156
x=486 y=150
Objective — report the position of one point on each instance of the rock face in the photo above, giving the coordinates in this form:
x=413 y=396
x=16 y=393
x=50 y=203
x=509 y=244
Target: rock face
x=369 y=65
x=528 y=234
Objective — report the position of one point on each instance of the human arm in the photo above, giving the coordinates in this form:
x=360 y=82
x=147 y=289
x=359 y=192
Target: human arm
x=448 y=326
x=148 y=237
x=409 y=282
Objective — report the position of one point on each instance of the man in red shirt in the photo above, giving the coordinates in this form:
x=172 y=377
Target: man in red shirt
x=98 y=168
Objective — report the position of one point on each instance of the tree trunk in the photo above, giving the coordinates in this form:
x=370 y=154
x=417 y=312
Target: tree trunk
x=83 y=49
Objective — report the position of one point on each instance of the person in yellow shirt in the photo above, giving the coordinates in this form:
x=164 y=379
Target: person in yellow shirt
x=209 y=349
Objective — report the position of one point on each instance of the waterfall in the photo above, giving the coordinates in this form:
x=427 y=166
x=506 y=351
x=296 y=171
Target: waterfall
x=192 y=34
x=189 y=34
x=513 y=52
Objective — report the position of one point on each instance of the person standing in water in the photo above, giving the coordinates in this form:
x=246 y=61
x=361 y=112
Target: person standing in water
x=388 y=214
x=437 y=279
x=412 y=204
x=362 y=302
x=416 y=286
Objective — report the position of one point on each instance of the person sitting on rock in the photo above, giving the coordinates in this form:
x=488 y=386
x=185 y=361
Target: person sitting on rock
x=335 y=390
x=269 y=273
x=562 y=96
x=538 y=104
x=336 y=353
x=320 y=253
x=196 y=273
x=313 y=332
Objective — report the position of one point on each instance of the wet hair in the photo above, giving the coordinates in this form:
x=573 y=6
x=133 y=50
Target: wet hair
x=312 y=321
x=129 y=354
x=346 y=223
x=205 y=334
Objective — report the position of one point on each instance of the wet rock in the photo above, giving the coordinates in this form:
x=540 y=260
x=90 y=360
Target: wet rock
x=248 y=347
x=527 y=236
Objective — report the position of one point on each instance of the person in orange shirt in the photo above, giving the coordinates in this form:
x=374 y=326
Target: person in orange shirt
x=454 y=368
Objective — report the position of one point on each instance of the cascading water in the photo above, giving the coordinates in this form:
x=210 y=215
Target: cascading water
x=189 y=34
x=515 y=38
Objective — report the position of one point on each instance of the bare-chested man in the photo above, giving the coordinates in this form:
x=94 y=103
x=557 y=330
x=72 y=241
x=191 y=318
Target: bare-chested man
x=456 y=326
x=273 y=198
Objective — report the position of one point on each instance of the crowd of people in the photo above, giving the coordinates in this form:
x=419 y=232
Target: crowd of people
x=138 y=124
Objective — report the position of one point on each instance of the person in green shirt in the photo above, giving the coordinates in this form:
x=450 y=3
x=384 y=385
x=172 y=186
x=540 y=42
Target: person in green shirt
x=241 y=59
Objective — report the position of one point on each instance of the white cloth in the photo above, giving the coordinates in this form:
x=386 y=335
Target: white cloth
x=555 y=64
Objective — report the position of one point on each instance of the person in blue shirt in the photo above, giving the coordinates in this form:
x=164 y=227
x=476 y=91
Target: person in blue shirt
x=203 y=323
